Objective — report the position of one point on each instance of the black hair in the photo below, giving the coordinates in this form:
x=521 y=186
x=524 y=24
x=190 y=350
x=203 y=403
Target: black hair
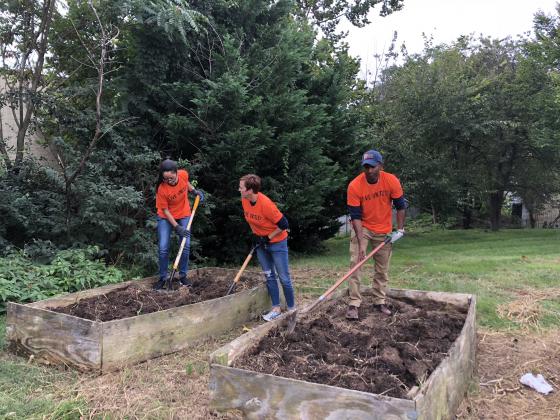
x=167 y=165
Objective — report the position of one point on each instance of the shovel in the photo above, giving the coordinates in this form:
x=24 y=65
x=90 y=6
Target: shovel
x=238 y=276
x=292 y=321
x=183 y=242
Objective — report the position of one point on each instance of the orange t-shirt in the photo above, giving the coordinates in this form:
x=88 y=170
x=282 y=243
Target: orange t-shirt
x=375 y=200
x=174 y=197
x=263 y=216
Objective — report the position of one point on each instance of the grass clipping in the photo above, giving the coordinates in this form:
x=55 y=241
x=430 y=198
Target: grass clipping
x=527 y=310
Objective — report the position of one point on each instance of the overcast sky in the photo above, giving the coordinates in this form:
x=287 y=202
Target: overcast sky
x=445 y=20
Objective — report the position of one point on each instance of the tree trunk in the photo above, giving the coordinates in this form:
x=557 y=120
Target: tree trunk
x=496 y=202
x=532 y=220
x=20 y=143
x=31 y=85
x=467 y=217
x=434 y=218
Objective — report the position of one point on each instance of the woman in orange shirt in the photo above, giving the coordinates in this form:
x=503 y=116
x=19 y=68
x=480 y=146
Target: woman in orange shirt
x=173 y=213
x=269 y=226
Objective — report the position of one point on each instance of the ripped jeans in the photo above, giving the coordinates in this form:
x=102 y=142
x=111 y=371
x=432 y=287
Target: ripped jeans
x=274 y=260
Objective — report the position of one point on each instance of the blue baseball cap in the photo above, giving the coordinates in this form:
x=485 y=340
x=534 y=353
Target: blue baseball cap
x=372 y=158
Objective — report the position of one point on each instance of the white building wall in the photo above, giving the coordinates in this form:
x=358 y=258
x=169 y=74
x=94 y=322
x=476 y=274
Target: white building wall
x=34 y=143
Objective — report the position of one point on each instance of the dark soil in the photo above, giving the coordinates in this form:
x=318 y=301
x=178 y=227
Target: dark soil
x=379 y=354
x=136 y=300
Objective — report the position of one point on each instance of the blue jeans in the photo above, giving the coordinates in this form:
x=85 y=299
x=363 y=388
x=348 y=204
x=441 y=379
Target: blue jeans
x=164 y=229
x=274 y=259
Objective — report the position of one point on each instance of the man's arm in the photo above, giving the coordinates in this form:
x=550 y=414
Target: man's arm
x=400 y=204
x=355 y=210
x=401 y=216
x=357 y=226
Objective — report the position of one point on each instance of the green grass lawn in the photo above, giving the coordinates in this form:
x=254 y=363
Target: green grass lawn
x=492 y=265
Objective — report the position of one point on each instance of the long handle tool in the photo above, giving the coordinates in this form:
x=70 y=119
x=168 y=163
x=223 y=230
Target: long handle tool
x=292 y=320
x=183 y=242
x=238 y=275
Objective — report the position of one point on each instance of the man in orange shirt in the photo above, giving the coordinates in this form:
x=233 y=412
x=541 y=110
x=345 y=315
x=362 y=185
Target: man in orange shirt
x=270 y=227
x=370 y=198
x=173 y=213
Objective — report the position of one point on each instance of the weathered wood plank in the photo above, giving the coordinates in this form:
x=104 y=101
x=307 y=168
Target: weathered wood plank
x=143 y=337
x=444 y=390
x=460 y=300
x=262 y=396
x=54 y=338
x=227 y=354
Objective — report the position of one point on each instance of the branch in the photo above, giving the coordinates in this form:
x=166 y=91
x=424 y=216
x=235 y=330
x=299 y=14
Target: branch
x=115 y=124
x=191 y=112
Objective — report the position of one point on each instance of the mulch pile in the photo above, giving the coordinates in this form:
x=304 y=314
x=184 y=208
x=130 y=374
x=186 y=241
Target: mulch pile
x=380 y=354
x=136 y=300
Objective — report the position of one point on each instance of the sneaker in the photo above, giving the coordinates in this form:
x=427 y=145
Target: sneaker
x=383 y=309
x=352 y=312
x=184 y=281
x=271 y=315
x=159 y=285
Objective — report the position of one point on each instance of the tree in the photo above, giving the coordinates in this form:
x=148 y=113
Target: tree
x=252 y=92
x=517 y=134
x=326 y=15
x=469 y=123
x=426 y=109
x=24 y=33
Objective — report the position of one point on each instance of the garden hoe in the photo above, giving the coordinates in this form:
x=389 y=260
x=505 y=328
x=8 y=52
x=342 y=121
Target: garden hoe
x=292 y=321
x=183 y=242
x=238 y=276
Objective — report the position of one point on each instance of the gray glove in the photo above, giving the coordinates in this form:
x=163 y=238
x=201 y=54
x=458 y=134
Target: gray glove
x=182 y=232
x=200 y=193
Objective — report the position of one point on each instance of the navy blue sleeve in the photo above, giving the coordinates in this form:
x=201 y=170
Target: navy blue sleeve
x=355 y=212
x=283 y=223
x=400 y=203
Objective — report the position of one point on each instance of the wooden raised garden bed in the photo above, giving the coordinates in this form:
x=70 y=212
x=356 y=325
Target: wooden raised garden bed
x=156 y=323
x=415 y=364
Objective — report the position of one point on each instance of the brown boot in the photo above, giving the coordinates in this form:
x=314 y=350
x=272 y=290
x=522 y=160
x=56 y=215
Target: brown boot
x=383 y=309
x=352 y=312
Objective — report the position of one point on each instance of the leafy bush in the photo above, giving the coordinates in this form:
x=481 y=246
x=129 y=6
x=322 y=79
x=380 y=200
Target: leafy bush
x=22 y=280
x=423 y=223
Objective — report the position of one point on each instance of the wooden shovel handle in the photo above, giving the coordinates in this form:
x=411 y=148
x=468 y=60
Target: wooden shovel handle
x=245 y=263
x=348 y=274
x=184 y=241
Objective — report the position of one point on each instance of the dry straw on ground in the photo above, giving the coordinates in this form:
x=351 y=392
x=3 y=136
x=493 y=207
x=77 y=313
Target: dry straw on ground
x=502 y=359
x=527 y=310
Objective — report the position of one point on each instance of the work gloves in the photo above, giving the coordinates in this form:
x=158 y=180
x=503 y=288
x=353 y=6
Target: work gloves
x=395 y=236
x=261 y=241
x=200 y=193
x=182 y=232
